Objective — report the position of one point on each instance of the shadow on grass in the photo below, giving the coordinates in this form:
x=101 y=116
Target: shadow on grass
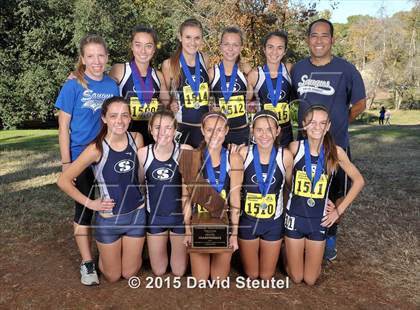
x=22 y=175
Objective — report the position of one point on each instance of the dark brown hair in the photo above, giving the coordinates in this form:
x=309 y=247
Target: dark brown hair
x=142 y=29
x=330 y=148
x=80 y=67
x=174 y=60
x=104 y=128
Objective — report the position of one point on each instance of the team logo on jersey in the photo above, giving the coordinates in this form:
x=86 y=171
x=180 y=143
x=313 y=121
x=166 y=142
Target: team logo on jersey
x=282 y=95
x=134 y=92
x=313 y=169
x=264 y=175
x=124 y=166
x=92 y=100
x=193 y=77
x=162 y=174
x=236 y=88
x=315 y=86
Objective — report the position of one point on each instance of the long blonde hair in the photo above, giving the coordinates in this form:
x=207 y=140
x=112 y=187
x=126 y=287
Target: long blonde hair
x=80 y=67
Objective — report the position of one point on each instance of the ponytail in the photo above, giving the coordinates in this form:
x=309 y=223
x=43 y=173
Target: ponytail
x=330 y=149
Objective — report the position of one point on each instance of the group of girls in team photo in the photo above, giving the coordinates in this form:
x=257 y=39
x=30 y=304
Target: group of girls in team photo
x=122 y=134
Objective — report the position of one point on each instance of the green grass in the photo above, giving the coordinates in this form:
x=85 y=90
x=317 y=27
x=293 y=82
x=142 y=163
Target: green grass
x=398 y=117
x=36 y=139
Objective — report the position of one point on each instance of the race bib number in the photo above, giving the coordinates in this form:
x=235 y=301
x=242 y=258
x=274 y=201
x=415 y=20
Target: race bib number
x=303 y=186
x=289 y=222
x=259 y=207
x=282 y=109
x=190 y=99
x=201 y=209
x=145 y=112
x=235 y=107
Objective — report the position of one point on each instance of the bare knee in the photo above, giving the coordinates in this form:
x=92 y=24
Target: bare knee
x=310 y=280
x=266 y=276
x=159 y=271
x=252 y=275
x=112 y=277
x=296 y=278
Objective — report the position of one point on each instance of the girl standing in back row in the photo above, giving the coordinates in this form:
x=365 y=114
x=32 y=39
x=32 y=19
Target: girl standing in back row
x=229 y=86
x=271 y=84
x=80 y=102
x=141 y=84
x=186 y=76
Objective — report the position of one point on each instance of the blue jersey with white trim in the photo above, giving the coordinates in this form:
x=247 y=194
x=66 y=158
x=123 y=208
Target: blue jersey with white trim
x=301 y=188
x=117 y=176
x=252 y=203
x=190 y=111
x=163 y=184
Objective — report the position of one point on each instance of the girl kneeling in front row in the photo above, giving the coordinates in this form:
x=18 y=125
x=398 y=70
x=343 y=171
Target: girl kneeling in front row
x=267 y=167
x=159 y=168
x=121 y=217
x=307 y=216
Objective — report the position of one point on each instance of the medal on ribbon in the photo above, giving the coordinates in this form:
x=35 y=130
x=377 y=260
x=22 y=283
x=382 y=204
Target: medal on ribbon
x=144 y=90
x=308 y=169
x=274 y=96
x=227 y=91
x=217 y=184
x=264 y=185
x=195 y=84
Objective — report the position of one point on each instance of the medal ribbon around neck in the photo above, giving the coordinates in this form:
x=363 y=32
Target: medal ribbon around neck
x=274 y=97
x=144 y=90
x=195 y=85
x=219 y=183
x=308 y=165
x=264 y=186
x=227 y=92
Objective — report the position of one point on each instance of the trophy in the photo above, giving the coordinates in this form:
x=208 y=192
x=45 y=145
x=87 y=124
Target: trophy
x=210 y=230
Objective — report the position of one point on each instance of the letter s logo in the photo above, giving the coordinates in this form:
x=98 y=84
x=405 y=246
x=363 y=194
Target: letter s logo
x=124 y=166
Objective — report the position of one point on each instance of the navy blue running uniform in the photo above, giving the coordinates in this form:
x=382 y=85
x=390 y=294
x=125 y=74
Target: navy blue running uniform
x=303 y=218
x=191 y=110
x=164 y=192
x=283 y=106
x=262 y=217
x=140 y=114
x=116 y=174
x=235 y=108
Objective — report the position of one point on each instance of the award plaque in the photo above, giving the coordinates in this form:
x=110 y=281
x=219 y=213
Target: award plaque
x=210 y=230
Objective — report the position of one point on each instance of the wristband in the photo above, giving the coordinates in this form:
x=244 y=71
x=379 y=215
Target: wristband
x=69 y=162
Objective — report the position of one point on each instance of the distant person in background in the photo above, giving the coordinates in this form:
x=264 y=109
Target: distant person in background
x=80 y=103
x=387 y=117
x=381 y=115
x=336 y=83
